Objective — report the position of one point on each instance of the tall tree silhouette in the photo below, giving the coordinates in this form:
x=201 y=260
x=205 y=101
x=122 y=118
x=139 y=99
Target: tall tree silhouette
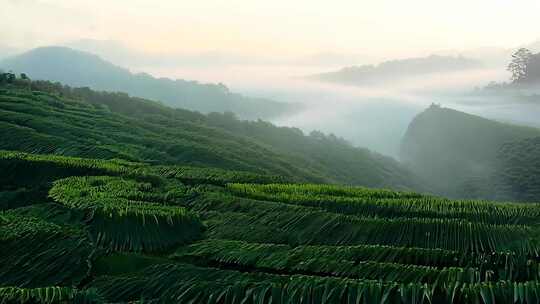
x=518 y=65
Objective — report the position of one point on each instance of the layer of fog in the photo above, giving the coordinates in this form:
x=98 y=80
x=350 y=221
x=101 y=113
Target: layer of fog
x=375 y=117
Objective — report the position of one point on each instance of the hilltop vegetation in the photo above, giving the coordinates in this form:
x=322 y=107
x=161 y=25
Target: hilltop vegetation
x=468 y=156
x=524 y=67
x=534 y=68
x=80 y=69
x=116 y=232
x=517 y=171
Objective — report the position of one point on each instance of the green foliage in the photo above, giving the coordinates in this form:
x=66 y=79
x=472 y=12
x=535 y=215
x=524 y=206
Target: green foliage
x=270 y=242
x=517 y=173
x=389 y=204
x=48 y=295
x=7 y=77
x=330 y=229
x=250 y=220
x=219 y=286
x=175 y=283
x=324 y=190
x=399 y=264
x=19 y=197
x=27 y=178
x=53 y=213
x=127 y=223
x=279 y=258
x=20 y=164
x=120 y=219
x=121 y=263
x=460 y=155
x=214 y=176
x=36 y=253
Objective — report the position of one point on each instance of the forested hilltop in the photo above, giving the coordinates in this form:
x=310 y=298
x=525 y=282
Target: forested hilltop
x=524 y=67
x=81 y=69
x=42 y=117
x=467 y=156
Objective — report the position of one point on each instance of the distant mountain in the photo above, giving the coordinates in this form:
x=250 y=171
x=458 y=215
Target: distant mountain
x=490 y=56
x=397 y=69
x=462 y=154
x=80 y=69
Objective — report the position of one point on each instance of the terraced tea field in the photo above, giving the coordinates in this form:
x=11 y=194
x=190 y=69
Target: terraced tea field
x=110 y=231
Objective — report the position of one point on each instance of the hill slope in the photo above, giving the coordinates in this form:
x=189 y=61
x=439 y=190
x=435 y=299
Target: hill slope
x=459 y=153
x=80 y=69
x=113 y=125
x=517 y=171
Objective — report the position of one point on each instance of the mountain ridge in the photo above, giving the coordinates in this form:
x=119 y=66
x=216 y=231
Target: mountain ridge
x=82 y=69
x=459 y=152
x=397 y=69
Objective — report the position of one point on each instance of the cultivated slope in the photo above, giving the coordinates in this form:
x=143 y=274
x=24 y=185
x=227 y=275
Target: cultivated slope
x=106 y=125
x=517 y=171
x=125 y=232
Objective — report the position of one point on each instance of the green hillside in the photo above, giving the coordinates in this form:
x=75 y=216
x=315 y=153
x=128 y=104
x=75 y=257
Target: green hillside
x=517 y=171
x=106 y=198
x=463 y=155
x=112 y=231
x=40 y=117
x=81 y=69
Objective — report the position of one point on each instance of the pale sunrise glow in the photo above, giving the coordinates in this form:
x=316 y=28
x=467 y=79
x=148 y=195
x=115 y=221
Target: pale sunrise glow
x=274 y=28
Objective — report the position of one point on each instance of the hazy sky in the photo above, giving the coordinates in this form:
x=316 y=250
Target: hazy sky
x=255 y=46
x=274 y=28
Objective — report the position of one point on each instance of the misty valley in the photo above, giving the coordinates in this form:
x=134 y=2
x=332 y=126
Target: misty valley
x=135 y=170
